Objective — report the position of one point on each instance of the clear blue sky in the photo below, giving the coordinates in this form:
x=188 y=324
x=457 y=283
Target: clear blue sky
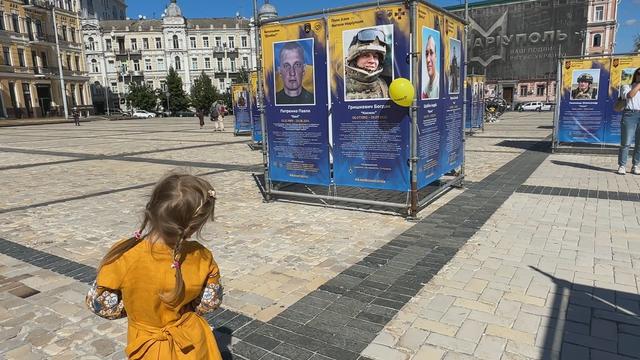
x=628 y=19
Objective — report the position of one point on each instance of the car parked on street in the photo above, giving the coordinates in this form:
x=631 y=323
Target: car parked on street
x=535 y=106
x=142 y=114
x=184 y=113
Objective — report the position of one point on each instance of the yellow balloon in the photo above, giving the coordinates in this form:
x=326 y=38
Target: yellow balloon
x=402 y=92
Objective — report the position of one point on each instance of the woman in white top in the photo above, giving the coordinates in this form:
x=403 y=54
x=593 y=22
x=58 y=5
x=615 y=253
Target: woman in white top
x=630 y=126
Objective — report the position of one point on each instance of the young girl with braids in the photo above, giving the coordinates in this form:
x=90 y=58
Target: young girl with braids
x=160 y=280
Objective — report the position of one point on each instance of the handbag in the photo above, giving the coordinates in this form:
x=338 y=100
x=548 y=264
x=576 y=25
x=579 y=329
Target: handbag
x=619 y=105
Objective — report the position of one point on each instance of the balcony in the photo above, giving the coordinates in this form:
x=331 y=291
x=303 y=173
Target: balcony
x=218 y=49
x=42 y=39
x=6 y=69
x=42 y=5
x=128 y=53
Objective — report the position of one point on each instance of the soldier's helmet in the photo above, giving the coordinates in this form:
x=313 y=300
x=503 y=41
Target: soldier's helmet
x=368 y=40
x=586 y=78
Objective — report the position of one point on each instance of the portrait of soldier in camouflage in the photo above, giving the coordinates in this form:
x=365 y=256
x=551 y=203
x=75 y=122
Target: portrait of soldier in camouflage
x=364 y=65
x=585 y=90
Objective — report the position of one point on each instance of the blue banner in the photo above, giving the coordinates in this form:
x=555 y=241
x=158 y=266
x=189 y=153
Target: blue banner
x=256 y=126
x=370 y=134
x=440 y=118
x=584 y=101
x=294 y=58
x=241 y=108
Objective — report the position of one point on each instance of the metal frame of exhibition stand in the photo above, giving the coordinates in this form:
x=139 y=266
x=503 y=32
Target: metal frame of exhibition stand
x=413 y=203
x=574 y=147
x=473 y=130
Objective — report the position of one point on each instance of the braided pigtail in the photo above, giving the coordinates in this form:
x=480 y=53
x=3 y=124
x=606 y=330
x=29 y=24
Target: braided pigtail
x=174 y=297
x=122 y=247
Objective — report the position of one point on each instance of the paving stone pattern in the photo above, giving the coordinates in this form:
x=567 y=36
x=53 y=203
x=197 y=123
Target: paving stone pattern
x=345 y=314
x=537 y=258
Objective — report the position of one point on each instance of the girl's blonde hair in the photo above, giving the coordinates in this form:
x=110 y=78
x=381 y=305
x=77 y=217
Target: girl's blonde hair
x=179 y=206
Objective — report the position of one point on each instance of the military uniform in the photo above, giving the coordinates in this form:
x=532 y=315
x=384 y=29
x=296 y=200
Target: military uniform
x=362 y=83
x=588 y=94
x=305 y=98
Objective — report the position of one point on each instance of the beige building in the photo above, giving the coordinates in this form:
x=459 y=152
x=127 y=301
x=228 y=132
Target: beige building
x=601 y=27
x=29 y=71
x=120 y=52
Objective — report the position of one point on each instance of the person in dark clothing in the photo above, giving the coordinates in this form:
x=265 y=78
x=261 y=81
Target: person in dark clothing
x=76 y=116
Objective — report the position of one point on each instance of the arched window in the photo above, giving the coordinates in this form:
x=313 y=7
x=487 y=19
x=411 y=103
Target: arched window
x=175 y=41
x=178 y=65
x=94 y=66
x=91 y=44
x=597 y=40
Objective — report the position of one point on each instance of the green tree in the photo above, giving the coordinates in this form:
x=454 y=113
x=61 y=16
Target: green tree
x=142 y=96
x=178 y=99
x=203 y=93
x=243 y=76
x=226 y=99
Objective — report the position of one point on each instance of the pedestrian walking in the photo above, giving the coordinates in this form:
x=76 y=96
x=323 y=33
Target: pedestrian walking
x=200 y=115
x=630 y=126
x=76 y=116
x=217 y=115
x=162 y=281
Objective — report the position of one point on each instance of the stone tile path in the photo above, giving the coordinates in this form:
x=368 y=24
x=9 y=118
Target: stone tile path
x=525 y=263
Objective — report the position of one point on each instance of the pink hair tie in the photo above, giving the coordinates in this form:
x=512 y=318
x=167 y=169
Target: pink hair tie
x=175 y=265
x=137 y=235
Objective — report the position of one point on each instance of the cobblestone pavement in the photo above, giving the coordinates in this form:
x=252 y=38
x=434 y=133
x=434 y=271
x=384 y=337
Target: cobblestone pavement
x=517 y=265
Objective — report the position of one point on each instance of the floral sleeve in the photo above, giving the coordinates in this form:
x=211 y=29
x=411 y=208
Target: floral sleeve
x=105 y=303
x=211 y=296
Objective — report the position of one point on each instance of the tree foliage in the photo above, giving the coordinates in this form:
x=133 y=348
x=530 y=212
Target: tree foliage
x=142 y=96
x=243 y=76
x=178 y=99
x=203 y=93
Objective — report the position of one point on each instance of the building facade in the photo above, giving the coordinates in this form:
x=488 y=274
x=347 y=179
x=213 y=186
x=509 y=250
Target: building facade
x=30 y=84
x=103 y=9
x=517 y=43
x=142 y=51
x=601 y=27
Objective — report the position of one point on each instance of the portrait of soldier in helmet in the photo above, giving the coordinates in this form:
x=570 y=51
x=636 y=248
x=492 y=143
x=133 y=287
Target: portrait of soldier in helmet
x=365 y=76
x=583 y=86
x=291 y=67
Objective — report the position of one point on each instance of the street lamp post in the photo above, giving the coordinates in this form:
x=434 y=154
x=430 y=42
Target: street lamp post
x=168 y=94
x=62 y=85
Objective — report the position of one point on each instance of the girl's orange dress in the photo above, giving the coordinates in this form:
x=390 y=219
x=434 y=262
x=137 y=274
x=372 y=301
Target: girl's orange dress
x=130 y=287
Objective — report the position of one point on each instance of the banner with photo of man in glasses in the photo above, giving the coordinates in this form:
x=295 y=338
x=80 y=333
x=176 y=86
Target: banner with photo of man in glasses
x=370 y=134
x=440 y=102
x=295 y=75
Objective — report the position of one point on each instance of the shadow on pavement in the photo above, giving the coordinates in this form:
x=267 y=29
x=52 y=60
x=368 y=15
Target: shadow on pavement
x=349 y=192
x=533 y=145
x=223 y=338
x=581 y=166
x=590 y=323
